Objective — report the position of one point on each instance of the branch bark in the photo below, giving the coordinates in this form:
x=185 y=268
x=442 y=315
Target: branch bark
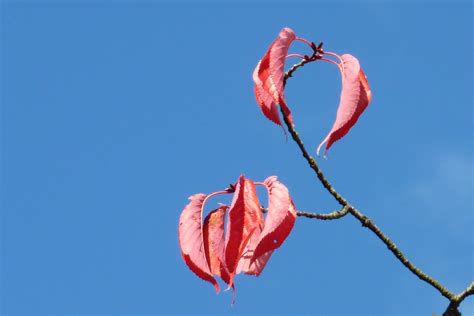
x=455 y=300
x=322 y=216
x=452 y=309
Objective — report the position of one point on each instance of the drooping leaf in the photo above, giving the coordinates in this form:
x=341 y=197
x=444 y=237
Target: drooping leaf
x=244 y=217
x=210 y=251
x=214 y=243
x=265 y=100
x=245 y=263
x=269 y=74
x=355 y=97
x=190 y=234
x=279 y=220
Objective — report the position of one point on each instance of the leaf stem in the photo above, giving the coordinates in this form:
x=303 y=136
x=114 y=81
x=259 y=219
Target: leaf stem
x=304 y=41
x=295 y=55
x=455 y=300
x=334 y=55
x=332 y=62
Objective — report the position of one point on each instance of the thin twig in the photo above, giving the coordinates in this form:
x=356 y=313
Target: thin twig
x=367 y=222
x=468 y=291
x=322 y=216
x=294 y=134
x=325 y=217
x=455 y=300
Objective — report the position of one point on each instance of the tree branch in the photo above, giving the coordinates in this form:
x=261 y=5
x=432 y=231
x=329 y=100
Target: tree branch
x=452 y=309
x=325 y=217
x=455 y=300
x=299 y=142
x=367 y=222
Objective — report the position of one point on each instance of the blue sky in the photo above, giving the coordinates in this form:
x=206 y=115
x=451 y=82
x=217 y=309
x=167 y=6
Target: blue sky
x=113 y=113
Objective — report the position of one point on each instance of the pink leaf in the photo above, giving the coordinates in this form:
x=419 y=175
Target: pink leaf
x=190 y=236
x=268 y=77
x=214 y=243
x=245 y=264
x=279 y=221
x=355 y=97
x=244 y=217
x=248 y=241
x=265 y=100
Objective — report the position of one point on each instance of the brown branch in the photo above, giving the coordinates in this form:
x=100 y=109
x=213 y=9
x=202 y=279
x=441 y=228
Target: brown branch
x=299 y=142
x=325 y=217
x=455 y=300
x=467 y=292
x=452 y=309
x=322 y=216
x=367 y=222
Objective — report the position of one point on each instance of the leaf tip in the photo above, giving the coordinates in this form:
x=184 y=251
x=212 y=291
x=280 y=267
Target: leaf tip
x=318 y=150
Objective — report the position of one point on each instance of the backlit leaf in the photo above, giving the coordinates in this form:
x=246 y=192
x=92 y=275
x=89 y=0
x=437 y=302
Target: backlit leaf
x=355 y=97
x=265 y=100
x=245 y=263
x=190 y=236
x=269 y=74
x=279 y=220
x=244 y=217
x=214 y=243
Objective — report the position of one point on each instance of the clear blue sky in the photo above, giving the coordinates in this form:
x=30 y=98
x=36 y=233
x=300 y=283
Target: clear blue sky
x=113 y=113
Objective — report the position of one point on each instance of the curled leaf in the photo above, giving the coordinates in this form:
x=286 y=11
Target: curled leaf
x=190 y=234
x=246 y=265
x=244 y=217
x=355 y=97
x=265 y=100
x=279 y=220
x=214 y=243
x=246 y=243
x=268 y=77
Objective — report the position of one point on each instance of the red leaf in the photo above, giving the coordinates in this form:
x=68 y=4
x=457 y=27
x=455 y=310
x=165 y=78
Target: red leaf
x=355 y=97
x=190 y=236
x=268 y=77
x=214 y=244
x=279 y=221
x=245 y=264
x=247 y=243
x=244 y=217
x=265 y=100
